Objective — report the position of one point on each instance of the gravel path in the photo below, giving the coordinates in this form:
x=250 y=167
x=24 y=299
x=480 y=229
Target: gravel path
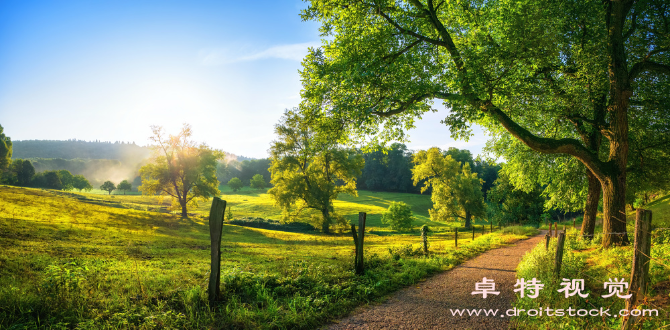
x=427 y=305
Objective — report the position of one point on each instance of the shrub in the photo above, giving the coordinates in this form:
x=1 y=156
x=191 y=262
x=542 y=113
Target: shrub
x=235 y=184
x=257 y=182
x=398 y=216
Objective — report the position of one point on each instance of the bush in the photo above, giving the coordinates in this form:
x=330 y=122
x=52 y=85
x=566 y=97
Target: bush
x=235 y=184
x=398 y=216
x=257 y=182
x=296 y=227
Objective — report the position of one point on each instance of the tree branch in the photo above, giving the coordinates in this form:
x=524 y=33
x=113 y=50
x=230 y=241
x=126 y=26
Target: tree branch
x=645 y=65
x=546 y=145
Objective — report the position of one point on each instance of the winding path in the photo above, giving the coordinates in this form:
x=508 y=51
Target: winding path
x=427 y=305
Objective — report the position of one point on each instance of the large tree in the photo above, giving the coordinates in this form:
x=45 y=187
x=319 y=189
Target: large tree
x=309 y=169
x=533 y=68
x=5 y=150
x=180 y=169
x=456 y=191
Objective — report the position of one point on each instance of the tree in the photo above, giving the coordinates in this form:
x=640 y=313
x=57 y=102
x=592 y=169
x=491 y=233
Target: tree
x=508 y=204
x=125 y=185
x=108 y=186
x=546 y=72
x=308 y=169
x=457 y=192
x=80 y=183
x=180 y=169
x=257 y=182
x=235 y=184
x=25 y=173
x=67 y=179
x=399 y=216
x=52 y=180
x=229 y=213
x=5 y=150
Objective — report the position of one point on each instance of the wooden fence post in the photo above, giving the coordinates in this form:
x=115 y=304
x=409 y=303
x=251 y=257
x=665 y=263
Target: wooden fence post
x=639 y=277
x=550 y=229
x=546 y=243
x=424 y=238
x=559 y=254
x=574 y=223
x=215 y=230
x=456 y=237
x=353 y=232
x=556 y=229
x=361 y=235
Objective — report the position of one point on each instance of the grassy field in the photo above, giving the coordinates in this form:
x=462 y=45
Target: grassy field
x=589 y=261
x=89 y=261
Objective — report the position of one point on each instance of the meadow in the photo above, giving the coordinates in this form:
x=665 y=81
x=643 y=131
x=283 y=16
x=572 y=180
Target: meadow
x=89 y=261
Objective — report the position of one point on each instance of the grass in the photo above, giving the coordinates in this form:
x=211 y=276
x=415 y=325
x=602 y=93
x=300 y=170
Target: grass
x=589 y=261
x=89 y=261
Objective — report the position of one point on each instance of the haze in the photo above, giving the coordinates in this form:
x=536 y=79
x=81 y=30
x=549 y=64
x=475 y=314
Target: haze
x=107 y=70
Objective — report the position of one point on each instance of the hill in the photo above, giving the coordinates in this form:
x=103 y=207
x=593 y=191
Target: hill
x=78 y=149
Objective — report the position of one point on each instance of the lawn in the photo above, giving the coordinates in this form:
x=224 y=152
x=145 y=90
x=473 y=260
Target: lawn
x=93 y=261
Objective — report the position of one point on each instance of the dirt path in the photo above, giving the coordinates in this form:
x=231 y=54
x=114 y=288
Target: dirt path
x=427 y=304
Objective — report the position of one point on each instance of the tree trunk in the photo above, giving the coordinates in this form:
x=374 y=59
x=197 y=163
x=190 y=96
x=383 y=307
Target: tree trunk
x=325 y=224
x=468 y=219
x=184 y=214
x=614 y=211
x=591 y=207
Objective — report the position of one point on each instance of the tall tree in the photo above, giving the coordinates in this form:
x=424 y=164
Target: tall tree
x=5 y=150
x=530 y=67
x=25 y=173
x=309 y=170
x=180 y=169
x=456 y=191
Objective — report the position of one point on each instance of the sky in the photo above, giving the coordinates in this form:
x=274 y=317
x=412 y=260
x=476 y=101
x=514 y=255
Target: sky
x=108 y=70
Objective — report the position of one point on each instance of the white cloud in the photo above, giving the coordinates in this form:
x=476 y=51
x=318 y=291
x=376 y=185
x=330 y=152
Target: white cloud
x=293 y=52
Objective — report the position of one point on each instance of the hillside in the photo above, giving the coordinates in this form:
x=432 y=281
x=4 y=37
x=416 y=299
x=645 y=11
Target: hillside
x=73 y=149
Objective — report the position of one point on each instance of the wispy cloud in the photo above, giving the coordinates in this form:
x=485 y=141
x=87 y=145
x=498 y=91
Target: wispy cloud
x=293 y=52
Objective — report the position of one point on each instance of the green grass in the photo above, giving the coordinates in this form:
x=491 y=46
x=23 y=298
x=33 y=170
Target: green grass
x=589 y=261
x=88 y=261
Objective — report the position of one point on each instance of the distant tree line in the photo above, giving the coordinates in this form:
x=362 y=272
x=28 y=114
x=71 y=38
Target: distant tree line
x=22 y=173
x=73 y=149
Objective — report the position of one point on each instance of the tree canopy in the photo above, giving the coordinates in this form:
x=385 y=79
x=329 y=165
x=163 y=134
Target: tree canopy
x=125 y=186
x=456 y=191
x=235 y=184
x=310 y=170
x=5 y=150
x=180 y=169
x=108 y=186
x=257 y=182
x=548 y=73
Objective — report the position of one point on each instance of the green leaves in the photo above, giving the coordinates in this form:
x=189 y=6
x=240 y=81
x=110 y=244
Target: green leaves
x=309 y=168
x=456 y=191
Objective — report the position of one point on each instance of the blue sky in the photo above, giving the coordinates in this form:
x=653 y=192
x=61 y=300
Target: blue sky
x=107 y=70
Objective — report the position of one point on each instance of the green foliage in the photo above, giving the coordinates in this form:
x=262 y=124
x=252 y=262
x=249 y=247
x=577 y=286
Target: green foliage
x=180 y=169
x=67 y=179
x=52 y=180
x=235 y=184
x=456 y=191
x=257 y=182
x=79 y=182
x=510 y=205
x=399 y=216
x=309 y=169
x=108 y=186
x=5 y=150
x=125 y=186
